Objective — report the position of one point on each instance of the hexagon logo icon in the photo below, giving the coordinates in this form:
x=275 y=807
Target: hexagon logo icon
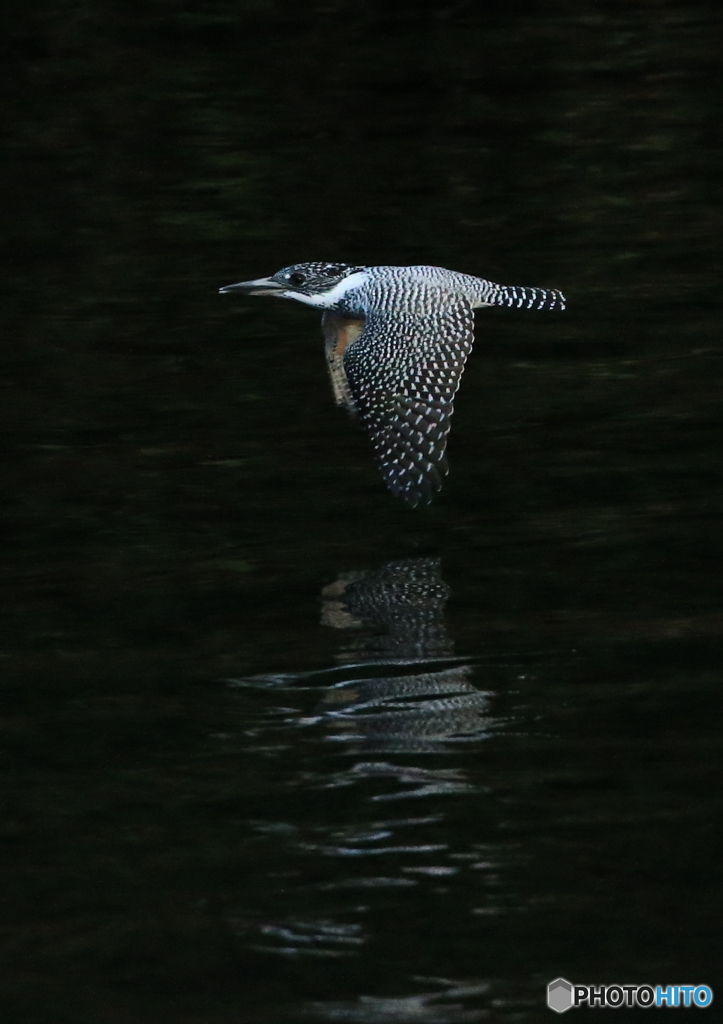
x=559 y=995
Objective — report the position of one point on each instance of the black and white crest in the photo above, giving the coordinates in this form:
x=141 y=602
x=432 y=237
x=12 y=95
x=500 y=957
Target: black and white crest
x=314 y=278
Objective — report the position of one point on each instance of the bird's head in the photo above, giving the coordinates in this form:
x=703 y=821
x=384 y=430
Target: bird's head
x=316 y=284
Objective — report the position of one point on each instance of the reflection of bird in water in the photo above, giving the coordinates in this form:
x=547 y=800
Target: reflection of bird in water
x=396 y=613
x=397 y=339
x=398 y=687
x=402 y=603
x=408 y=713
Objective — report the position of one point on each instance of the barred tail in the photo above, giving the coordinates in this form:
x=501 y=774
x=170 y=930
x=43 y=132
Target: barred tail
x=527 y=298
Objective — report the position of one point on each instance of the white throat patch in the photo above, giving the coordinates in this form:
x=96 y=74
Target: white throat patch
x=327 y=300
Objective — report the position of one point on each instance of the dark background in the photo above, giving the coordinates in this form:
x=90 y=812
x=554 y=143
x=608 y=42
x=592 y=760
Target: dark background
x=178 y=487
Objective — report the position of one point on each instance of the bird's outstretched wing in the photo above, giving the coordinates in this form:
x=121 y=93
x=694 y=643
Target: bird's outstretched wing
x=403 y=372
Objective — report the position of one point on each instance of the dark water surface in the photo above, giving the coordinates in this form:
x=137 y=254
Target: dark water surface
x=275 y=746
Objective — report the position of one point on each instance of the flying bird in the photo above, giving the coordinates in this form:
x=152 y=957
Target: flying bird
x=396 y=340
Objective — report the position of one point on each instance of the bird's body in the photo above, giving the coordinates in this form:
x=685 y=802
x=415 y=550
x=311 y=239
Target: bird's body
x=397 y=339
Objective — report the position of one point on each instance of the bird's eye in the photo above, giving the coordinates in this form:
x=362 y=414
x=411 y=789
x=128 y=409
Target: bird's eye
x=297 y=278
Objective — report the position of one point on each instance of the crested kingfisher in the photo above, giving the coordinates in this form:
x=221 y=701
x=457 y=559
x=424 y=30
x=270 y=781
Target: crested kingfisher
x=397 y=339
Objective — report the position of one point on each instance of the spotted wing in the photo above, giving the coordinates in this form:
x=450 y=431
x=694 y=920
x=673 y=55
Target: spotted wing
x=403 y=373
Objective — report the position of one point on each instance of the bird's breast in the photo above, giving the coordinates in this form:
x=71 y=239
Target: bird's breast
x=339 y=332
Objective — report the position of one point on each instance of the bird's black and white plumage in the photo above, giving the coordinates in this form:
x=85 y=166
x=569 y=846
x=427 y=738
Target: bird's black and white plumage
x=397 y=339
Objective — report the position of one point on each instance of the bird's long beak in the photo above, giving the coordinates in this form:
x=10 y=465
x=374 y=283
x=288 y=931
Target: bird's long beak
x=261 y=286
